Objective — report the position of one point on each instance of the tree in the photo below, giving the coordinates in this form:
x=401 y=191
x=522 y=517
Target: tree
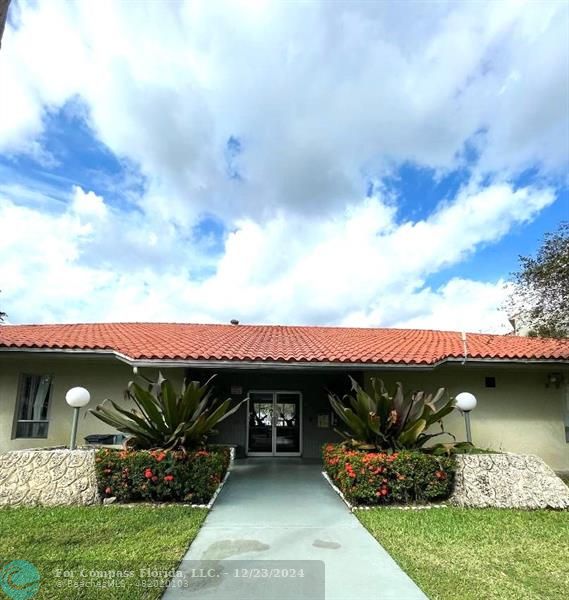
x=3 y=16
x=540 y=294
x=2 y=315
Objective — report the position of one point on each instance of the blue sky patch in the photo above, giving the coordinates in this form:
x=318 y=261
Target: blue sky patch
x=72 y=155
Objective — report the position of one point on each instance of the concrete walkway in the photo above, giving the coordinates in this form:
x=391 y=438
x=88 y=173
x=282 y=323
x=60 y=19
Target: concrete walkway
x=283 y=510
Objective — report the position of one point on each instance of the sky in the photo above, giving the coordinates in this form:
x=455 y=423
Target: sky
x=367 y=164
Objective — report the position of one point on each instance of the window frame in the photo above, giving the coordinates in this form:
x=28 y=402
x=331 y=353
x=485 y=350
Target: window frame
x=18 y=406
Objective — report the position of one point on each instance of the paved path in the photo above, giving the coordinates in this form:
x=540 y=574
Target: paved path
x=283 y=509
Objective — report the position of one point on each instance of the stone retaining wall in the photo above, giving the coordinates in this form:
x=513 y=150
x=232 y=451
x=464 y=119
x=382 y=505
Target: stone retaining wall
x=48 y=478
x=507 y=481
x=67 y=477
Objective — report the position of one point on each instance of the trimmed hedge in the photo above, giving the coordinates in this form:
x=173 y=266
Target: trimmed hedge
x=161 y=475
x=372 y=478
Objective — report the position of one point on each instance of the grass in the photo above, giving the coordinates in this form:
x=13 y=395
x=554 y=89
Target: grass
x=477 y=554
x=101 y=538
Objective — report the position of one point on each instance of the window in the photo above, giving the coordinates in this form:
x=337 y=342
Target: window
x=32 y=406
x=490 y=382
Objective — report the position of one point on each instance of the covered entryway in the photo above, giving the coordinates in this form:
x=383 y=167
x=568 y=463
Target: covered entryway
x=274 y=423
x=287 y=412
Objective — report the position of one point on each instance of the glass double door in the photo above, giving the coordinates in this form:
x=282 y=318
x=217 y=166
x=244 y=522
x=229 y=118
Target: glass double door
x=274 y=424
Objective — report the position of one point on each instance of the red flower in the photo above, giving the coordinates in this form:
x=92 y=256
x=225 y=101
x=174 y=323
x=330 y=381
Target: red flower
x=148 y=474
x=350 y=471
x=108 y=491
x=169 y=478
x=440 y=474
x=154 y=479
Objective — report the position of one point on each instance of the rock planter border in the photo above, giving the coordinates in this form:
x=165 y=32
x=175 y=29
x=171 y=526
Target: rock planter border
x=507 y=480
x=48 y=477
x=62 y=477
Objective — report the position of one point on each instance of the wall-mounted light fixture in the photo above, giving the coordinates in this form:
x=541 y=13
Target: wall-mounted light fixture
x=554 y=380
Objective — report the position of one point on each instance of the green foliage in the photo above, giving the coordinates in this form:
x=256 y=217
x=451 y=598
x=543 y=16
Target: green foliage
x=3 y=315
x=390 y=422
x=164 y=417
x=477 y=553
x=370 y=478
x=158 y=475
x=80 y=539
x=458 y=448
x=540 y=289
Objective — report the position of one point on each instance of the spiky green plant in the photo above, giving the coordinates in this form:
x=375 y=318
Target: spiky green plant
x=164 y=417
x=387 y=421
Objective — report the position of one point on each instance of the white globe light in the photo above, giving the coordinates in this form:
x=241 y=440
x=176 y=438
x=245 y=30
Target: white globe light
x=465 y=401
x=77 y=397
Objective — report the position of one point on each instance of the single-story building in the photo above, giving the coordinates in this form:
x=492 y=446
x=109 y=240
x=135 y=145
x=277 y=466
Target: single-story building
x=522 y=384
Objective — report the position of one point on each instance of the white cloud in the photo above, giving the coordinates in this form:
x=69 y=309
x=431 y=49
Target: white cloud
x=461 y=305
x=315 y=91
x=322 y=97
x=362 y=267
x=87 y=204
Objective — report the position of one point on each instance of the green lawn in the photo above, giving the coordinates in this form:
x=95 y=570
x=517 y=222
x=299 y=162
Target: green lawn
x=477 y=554
x=100 y=538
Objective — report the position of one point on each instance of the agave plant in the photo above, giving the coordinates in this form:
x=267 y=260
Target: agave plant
x=164 y=417
x=390 y=422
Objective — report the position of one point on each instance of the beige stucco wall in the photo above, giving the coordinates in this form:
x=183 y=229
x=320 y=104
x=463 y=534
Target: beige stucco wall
x=103 y=377
x=520 y=415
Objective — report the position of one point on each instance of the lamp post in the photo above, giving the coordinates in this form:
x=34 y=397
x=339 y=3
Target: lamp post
x=465 y=402
x=76 y=397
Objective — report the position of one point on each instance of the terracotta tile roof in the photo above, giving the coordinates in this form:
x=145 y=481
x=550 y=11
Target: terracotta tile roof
x=177 y=341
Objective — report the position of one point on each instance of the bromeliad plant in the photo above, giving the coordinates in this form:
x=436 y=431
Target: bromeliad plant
x=382 y=421
x=164 y=417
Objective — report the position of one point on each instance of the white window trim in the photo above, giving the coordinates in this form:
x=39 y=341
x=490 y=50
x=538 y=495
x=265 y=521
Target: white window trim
x=18 y=403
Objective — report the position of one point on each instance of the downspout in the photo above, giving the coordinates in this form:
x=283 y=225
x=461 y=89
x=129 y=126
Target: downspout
x=464 y=347
x=566 y=406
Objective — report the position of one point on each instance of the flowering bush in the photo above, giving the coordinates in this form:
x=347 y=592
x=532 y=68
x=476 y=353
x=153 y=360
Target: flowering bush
x=380 y=478
x=161 y=475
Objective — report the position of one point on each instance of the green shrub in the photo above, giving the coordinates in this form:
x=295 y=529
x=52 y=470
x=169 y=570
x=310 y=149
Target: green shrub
x=165 y=417
x=161 y=475
x=384 y=421
x=371 y=478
